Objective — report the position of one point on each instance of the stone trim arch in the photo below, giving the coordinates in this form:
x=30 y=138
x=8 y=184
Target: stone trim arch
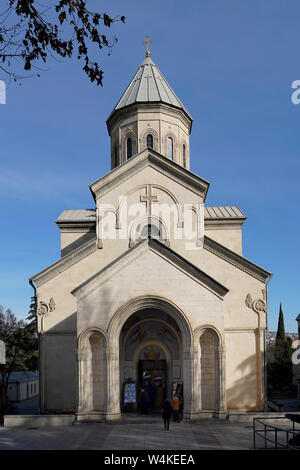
x=133 y=234
x=178 y=339
x=183 y=142
x=154 y=134
x=199 y=213
x=99 y=223
x=141 y=303
x=148 y=342
x=175 y=145
x=114 y=330
x=212 y=329
x=128 y=134
x=175 y=201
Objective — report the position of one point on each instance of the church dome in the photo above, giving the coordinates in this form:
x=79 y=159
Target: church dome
x=149 y=86
x=149 y=115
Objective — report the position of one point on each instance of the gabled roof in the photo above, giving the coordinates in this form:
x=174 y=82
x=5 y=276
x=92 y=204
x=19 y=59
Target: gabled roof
x=162 y=250
x=237 y=260
x=211 y=245
x=150 y=157
x=149 y=86
x=65 y=262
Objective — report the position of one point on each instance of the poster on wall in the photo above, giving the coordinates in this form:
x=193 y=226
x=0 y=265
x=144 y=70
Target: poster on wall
x=130 y=392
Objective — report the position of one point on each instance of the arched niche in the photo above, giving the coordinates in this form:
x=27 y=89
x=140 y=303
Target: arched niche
x=92 y=375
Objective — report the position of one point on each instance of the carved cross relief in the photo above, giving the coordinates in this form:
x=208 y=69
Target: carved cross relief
x=148 y=199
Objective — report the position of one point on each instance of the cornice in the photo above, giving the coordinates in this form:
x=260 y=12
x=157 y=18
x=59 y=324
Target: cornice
x=235 y=259
x=119 y=115
x=223 y=224
x=77 y=226
x=64 y=263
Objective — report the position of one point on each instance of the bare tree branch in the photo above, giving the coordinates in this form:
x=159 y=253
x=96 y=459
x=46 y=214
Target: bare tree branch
x=31 y=32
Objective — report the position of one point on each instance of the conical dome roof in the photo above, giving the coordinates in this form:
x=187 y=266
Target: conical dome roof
x=149 y=85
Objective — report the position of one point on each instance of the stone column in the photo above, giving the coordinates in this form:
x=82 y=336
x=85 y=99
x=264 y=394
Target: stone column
x=112 y=385
x=196 y=382
x=81 y=368
x=221 y=405
x=191 y=383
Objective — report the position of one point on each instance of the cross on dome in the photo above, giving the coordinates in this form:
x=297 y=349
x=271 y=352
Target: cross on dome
x=147 y=42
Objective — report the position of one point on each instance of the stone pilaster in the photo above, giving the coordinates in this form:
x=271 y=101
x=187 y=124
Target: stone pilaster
x=81 y=368
x=113 y=411
x=221 y=405
x=259 y=335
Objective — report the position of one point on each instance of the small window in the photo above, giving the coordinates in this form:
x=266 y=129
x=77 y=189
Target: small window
x=150 y=231
x=129 y=148
x=183 y=156
x=116 y=157
x=170 y=148
x=150 y=141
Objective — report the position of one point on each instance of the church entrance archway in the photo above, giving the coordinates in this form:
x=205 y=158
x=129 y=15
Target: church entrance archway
x=150 y=358
x=119 y=370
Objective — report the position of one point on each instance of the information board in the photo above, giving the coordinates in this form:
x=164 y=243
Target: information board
x=130 y=392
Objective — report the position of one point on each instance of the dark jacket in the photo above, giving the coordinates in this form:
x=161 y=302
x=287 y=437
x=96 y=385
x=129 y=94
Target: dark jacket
x=167 y=410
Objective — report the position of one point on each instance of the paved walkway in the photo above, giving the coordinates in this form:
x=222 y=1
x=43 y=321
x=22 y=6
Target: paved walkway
x=146 y=434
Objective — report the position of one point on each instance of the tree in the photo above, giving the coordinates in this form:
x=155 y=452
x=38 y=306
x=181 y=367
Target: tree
x=280 y=369
x=21 y=348
x=280 y=335
x=31 y=31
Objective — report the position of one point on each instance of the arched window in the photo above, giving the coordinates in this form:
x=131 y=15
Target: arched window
x=170 y=148
x=183 y=156
x=150 y=141
x=129 y=148
x=116 y=157
x=150 y=231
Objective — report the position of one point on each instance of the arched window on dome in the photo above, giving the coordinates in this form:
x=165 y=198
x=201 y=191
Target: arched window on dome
x=183 y=156
x=129 y=148
x=116 y=157
x=150 y=141
x=170 y=148
x=150 y=230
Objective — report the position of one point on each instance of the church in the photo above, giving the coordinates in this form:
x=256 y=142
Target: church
x=152 y=291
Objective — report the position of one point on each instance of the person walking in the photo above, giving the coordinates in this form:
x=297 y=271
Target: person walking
x=167 y=410
x=144 y=399
x=175 y=406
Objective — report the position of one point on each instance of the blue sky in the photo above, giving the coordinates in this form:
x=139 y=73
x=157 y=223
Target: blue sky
x=232 y=64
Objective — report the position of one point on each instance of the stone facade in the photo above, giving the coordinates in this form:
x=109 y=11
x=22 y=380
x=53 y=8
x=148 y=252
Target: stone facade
x=151 y=276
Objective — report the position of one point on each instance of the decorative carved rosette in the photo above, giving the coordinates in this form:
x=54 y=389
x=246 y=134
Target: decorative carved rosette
x=257 y=305
x=44 y=308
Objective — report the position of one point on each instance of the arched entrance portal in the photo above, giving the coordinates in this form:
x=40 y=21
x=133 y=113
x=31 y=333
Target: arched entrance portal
x=151 y=358
x=114 y=379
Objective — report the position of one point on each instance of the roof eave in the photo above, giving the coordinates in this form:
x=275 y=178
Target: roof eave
x=143 y=103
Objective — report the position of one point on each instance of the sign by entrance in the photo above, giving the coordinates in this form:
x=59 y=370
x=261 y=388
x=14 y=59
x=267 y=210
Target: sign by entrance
x=2 y=352
x=129 y=392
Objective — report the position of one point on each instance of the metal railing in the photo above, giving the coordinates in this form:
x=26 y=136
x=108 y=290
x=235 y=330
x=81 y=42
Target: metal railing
x=273 y=436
